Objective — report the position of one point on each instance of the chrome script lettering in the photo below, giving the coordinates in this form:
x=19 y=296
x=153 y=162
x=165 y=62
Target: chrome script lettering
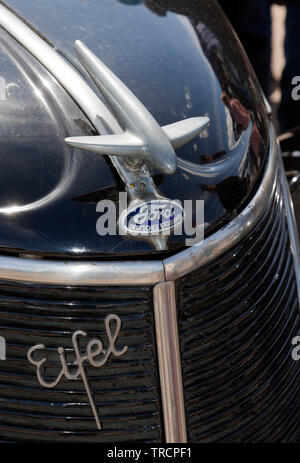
x=94 y=349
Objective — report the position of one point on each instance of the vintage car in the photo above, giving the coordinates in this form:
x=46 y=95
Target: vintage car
x=121 y=123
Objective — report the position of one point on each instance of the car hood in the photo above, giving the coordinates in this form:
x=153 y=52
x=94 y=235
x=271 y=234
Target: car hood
x=181 y=61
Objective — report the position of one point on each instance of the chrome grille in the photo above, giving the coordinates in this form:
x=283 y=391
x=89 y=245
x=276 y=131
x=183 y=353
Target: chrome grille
x=237 y=318
x=126 y=389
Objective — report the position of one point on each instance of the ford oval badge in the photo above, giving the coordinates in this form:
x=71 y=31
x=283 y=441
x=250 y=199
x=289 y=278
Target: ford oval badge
x=156 y=217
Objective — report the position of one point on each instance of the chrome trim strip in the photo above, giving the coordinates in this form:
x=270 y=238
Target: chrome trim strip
x=292 y=225
x=146 y=272
x=218 y=243
x=81 y=273
x=165 y=311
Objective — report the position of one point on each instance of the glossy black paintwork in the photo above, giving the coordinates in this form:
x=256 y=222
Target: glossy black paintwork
x=182 y=60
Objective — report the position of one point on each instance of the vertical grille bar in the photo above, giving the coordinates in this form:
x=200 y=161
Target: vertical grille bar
x=165 y=310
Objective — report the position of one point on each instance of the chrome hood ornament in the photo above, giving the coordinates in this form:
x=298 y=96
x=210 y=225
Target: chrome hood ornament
x=142 y=140
x=131 y=137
